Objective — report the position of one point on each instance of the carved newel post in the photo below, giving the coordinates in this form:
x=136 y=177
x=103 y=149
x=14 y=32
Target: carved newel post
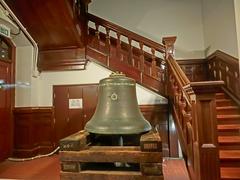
x=169 y=45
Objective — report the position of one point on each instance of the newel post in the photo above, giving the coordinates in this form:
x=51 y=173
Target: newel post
x=168 y=42
x=206 y=153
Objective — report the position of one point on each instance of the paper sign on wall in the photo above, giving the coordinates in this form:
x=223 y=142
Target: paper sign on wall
x=75 y=104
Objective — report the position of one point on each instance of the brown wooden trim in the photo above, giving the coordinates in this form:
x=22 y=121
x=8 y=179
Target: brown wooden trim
x=195 y=69
x=191 y=61
x=33 y=131
x=32 y=109
x=157 y=115
x=62 y=59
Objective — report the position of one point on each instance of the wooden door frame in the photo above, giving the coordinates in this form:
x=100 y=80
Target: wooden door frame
x=12 y=62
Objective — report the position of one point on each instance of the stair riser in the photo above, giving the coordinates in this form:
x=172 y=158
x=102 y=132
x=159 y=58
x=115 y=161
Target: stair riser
x=228 y=121
x=230 y=163
x=221 y=96
x=228 y=111
x=229 y=146
x=224 y=103
x=228 y=132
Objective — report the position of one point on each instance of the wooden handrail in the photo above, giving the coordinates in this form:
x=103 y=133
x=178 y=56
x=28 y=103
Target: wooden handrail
x=125 y=32
x=183 y=78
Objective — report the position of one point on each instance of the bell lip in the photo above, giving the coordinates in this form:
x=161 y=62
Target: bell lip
x=114 y=131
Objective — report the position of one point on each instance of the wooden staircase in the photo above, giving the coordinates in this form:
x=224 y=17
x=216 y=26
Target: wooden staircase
x=149 y=70
x=228 y=118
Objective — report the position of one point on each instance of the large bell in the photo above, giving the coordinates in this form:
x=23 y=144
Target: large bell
x=117 y=111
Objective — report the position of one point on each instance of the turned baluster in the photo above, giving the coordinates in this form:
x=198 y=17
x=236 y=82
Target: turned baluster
x=153 y=64
x=97 y=37
x=118 y=51
x=108 y=42
x=141 y=57
x=130 y=56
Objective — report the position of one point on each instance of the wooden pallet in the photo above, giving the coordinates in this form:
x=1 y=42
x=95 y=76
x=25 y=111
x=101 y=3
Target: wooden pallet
x=112 y=162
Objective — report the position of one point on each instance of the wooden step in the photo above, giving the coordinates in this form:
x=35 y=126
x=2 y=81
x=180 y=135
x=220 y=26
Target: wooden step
x=224 y=102
x=228 y=110
x=221 y=95
x=229 y=142
x=229 y=130
x=229 y=158
x=229 y=139
x=228 y=119
x=230 y=173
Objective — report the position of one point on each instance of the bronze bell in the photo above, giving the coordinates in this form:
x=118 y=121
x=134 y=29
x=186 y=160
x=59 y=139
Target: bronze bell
x=117 y=111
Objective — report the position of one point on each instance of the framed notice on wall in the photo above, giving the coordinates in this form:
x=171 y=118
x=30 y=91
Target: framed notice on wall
x=75 y=104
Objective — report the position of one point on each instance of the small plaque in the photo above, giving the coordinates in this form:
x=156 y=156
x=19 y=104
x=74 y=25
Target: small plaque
x=75 y=104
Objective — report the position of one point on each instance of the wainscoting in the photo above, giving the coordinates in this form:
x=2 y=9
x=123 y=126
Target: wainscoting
x=35 y=128
x=33 y=131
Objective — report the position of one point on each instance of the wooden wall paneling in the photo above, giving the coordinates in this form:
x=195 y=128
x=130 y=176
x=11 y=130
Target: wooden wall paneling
x=63 y=59
x=90 y=94
x=75 y=115
x=70 y=120
x=60 y=103
x=195 y=69
x=157 y=115
x=33 y=131
x=173 y=138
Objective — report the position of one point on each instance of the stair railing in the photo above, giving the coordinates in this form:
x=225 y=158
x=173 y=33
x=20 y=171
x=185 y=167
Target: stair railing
x=224 y=67
x=118 y=48
x=194 y=112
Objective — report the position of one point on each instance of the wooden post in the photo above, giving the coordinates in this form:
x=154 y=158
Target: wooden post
x=206 y=158
x=169 y=45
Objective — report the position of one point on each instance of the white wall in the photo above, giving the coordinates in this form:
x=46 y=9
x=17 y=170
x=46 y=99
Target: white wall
x=158 y=18
x=220 y=26
x=237 y=18
x=23 y=74
x=92 y=74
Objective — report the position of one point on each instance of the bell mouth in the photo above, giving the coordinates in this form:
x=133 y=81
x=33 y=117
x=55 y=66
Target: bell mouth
x=120 y=129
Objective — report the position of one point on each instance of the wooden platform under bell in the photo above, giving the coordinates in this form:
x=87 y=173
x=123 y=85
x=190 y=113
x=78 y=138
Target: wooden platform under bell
x=142 y=162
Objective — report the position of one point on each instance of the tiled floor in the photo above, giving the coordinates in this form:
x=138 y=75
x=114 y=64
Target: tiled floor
x=46 y=168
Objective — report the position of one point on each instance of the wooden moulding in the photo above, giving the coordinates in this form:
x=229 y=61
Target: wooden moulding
x=75 y=142
x=108 y=175
x=151 y=168
x=130 y=154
